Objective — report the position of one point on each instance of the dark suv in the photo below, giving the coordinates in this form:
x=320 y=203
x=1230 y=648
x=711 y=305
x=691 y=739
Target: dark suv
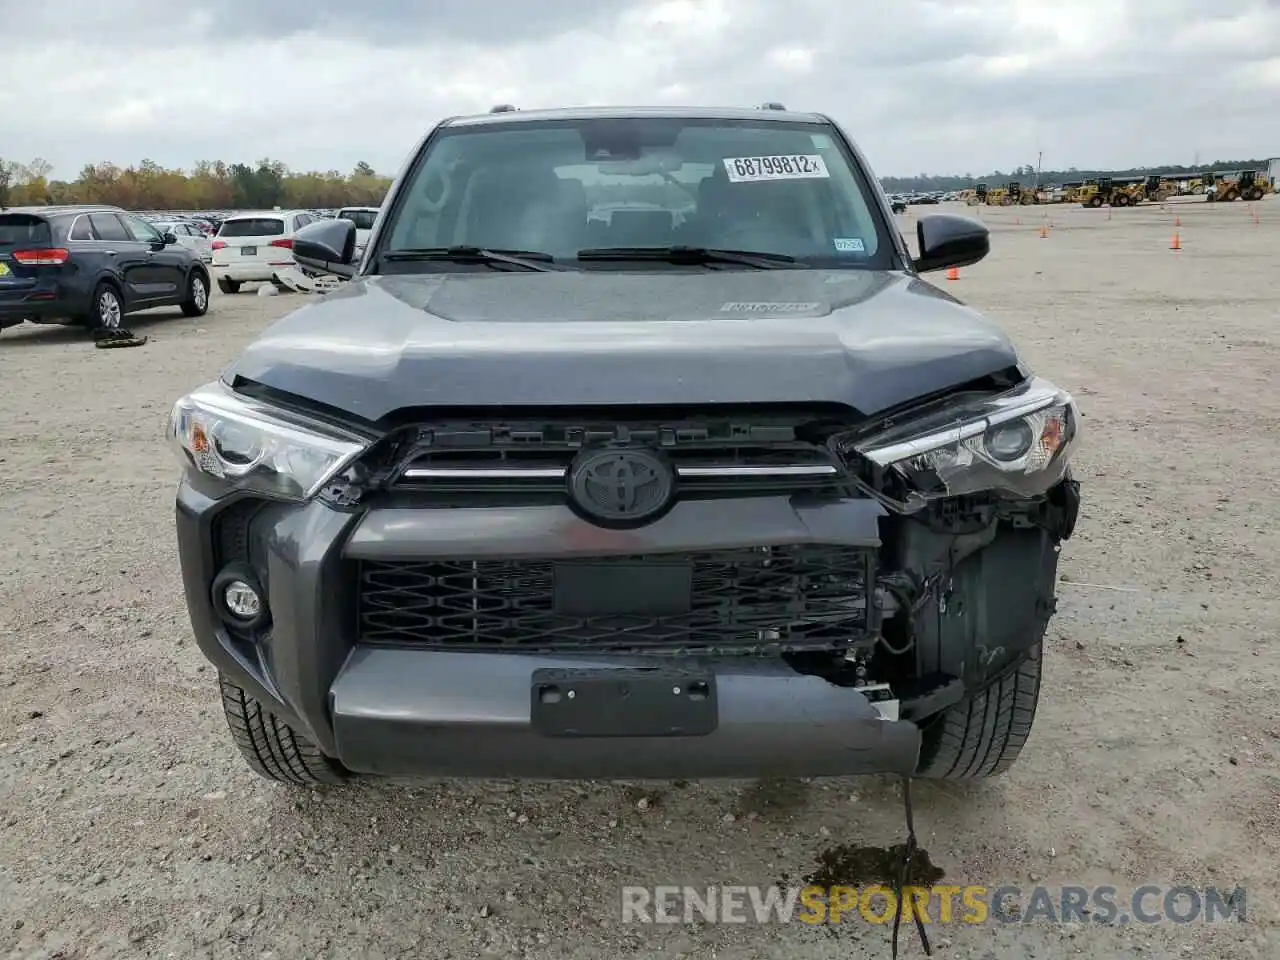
x=92 y=265
x=635 y=447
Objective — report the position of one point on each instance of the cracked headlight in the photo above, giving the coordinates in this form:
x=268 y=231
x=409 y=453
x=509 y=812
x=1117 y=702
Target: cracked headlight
x=1017 y=443
x=251 y=445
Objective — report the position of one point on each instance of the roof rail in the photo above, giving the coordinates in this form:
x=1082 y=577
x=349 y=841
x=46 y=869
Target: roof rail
x=771 y=105
x=503 y=108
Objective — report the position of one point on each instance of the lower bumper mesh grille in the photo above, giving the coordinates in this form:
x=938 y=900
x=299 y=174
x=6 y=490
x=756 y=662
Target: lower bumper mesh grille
x=753 y=600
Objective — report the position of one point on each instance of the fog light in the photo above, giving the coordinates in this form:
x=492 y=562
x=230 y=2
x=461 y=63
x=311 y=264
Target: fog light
x=239 y=598
x=242 y=600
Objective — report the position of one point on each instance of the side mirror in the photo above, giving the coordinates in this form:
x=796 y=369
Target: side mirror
x=328 y=246
x=946 y=240
x=168 y=238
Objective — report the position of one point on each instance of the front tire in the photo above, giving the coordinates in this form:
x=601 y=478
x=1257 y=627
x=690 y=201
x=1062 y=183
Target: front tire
x=197 y=302
x=981 y=736
x=271 y=747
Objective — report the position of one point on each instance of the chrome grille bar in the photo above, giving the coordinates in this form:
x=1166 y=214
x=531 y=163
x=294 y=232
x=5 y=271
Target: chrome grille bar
x=555 y=473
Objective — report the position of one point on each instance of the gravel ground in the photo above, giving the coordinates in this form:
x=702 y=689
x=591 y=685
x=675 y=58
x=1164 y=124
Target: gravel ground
x=129 y=826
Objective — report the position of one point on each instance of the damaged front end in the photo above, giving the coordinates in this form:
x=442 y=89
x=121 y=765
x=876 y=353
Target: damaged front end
x=974 y=496
x=864 y=597
x=979 y=496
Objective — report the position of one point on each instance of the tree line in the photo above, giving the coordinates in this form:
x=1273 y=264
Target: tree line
x=925 y=183
x=215 y=185
x=210 y=185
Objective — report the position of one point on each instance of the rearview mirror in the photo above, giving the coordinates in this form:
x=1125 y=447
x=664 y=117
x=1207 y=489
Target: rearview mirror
x=168 y=238
x=946 y=240
x=328 y=246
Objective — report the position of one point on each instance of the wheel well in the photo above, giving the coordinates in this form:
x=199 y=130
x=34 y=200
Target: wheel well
x=111 y=282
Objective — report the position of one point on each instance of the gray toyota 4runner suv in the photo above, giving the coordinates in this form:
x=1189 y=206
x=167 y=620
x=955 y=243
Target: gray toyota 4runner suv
x=634 y=447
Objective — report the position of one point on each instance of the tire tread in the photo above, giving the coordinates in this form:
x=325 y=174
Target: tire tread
x=982 y=736
x=271 y=747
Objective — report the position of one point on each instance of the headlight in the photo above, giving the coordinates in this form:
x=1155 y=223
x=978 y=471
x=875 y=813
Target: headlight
x=252 y=445
x=1017 y=442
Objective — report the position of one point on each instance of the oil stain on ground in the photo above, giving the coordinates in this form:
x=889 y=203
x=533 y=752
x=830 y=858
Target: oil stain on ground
x=849 y=865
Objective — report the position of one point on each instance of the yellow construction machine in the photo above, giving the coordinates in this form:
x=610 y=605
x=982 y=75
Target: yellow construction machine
x=1071 y=191
x=998 y=197
x=1094 y=193
x=1128 y=193
x=1158 y=189
x=1239 y=185
x=1104 y=190
x=1019 y=196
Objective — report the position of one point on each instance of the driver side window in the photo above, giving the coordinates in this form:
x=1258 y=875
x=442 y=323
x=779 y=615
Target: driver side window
x=142 y=231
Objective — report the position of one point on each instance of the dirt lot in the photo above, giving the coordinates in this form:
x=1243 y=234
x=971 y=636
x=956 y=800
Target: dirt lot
x=129 y=826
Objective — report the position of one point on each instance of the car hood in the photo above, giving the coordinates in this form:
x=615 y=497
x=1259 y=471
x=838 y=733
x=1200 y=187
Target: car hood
x=868 y=340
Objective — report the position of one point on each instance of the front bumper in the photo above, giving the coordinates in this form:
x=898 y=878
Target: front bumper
x=418 y=712
x=399 y=712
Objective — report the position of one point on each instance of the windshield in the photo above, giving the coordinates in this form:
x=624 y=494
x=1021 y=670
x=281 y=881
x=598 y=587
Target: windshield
x=564 y=186
x=363 y=219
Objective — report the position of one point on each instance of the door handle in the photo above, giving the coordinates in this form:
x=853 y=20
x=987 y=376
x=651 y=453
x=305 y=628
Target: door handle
x=110 y=253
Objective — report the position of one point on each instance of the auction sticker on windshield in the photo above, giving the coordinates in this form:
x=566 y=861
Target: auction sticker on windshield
x=801 y=166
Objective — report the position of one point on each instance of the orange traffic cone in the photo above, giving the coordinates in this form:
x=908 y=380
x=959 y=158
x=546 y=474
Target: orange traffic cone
x=953 y=273
x=1044 y=232
x=1177 y=243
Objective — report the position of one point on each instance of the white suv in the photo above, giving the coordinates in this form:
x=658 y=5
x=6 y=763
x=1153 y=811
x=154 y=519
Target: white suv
x=253 y=247
x=363 y=218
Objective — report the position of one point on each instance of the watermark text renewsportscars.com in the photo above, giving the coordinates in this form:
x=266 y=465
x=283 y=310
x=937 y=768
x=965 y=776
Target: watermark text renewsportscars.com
x=940 y=904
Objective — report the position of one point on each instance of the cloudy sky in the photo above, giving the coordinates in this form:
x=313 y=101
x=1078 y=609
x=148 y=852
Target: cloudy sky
x=938 y=86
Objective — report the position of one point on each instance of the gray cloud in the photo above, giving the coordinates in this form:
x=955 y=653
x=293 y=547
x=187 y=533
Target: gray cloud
x=383 y=22
x=923 y=84
x=410 y=22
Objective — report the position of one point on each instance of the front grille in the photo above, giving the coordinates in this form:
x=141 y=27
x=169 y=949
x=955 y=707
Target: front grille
x=527 y=460
x=755 y=600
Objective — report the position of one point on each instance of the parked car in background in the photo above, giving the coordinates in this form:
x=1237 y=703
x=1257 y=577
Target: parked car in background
x=92 y=266
x=251 y=247
x=363 y=218
x=189 y=235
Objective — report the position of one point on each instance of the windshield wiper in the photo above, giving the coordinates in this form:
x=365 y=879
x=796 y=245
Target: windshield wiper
x=529 y=259
x=762 y=260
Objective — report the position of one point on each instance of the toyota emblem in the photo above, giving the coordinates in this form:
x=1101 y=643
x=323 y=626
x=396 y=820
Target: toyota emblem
x=621 y=485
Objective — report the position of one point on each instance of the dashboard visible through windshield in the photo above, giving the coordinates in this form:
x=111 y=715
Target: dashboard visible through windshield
x=606 y=187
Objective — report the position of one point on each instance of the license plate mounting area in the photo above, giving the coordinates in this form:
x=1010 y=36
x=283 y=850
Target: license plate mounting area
x=624 y=702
